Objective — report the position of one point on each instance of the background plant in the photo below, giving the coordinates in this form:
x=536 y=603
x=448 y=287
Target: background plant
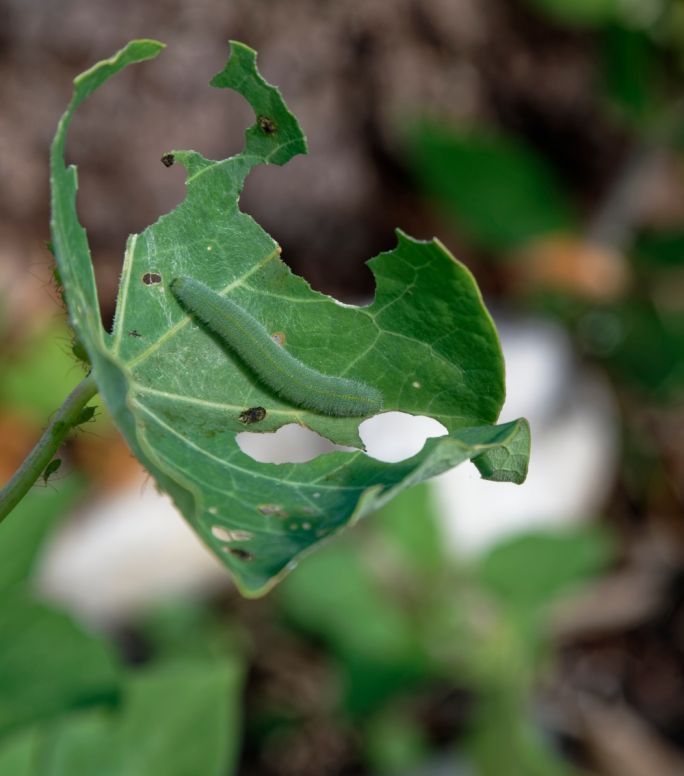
x=607 y=695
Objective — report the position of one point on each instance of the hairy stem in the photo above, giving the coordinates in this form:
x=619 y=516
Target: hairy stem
x=41 y=455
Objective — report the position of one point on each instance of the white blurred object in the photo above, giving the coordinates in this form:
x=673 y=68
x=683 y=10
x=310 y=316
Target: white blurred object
x=125 y=551
x=574 y=423
x=131 y=549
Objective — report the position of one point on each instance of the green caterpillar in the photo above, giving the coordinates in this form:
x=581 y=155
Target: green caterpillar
x=280 y=371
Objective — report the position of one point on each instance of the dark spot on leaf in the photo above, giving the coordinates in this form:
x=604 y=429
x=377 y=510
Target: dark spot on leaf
x=240 y=554
x=151 y=278
x=276 y=510
x=134 y=333
x=252 y=415
x=267 y=125
x=168 y=159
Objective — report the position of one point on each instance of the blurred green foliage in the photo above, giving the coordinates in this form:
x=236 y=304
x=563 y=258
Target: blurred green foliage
x=392 y=615
x=48 y=663
x=631 y=80
x=44 y=360
x=23 y=532
x=402 y=617
x=68 y=704
x=527 y=572
x=173 y=720
x=499 y=191
x=580 y=12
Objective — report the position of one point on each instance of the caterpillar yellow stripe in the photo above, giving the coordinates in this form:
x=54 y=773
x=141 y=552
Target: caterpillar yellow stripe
x=285 y=375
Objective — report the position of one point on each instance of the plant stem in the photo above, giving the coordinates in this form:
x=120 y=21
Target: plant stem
x=41 y=455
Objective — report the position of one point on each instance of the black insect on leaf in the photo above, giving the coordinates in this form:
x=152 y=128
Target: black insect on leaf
x=267 y=125
x=252 y=415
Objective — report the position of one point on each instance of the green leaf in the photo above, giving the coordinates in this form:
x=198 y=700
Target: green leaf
x=508 y=461
x=48 y=663
x=44 y=359
x=410 y=523
x=23 y=532
x=186 y=628
x=81 y=743
x=382 y=654
x=531 y=570
x=175 y=719
x=382 y=630
x=629 y=73
x=503 y=740
x=395 y=742
x=582 y=13
x=19 y=753
x=426 y=342
x=659 y=250
x=189 y=717
x=648 y=356
x=499 y=191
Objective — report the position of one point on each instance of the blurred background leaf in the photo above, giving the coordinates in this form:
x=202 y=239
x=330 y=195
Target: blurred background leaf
x=499 y=191
x=48 y=663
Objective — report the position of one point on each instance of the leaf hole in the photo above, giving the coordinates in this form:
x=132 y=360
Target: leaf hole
x=396 y=436
x=230 y=535
x=289 y=444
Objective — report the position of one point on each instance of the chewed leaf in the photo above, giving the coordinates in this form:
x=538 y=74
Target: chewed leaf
x=180 y=394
